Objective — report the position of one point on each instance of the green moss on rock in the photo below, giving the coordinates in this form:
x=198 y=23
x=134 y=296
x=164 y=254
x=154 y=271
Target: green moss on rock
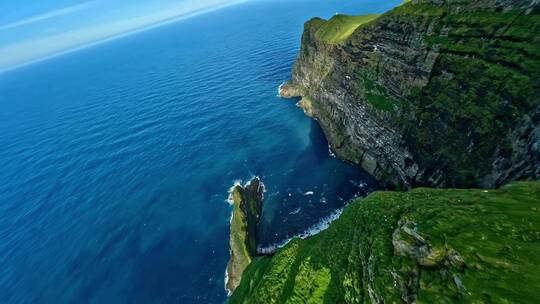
x=377 y=95
x=484 y=82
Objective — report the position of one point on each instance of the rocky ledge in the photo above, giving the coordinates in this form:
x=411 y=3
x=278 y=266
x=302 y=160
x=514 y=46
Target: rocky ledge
x=247 y=209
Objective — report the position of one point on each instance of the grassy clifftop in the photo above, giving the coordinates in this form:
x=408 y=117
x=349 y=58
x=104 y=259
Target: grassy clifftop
x=432 y=246
x=340 y=27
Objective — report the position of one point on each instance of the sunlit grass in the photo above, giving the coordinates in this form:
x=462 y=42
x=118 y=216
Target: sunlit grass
x=340 y=27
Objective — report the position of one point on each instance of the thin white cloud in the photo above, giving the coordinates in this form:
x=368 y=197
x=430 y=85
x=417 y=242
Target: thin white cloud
x=35 y=50
x=47 y=15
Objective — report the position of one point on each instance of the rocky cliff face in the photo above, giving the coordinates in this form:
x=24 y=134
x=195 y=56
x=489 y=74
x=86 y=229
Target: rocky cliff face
x=438 y=93
x=247 y=210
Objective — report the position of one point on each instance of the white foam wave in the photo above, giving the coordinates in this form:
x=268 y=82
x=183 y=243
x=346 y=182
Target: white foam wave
x=323 y=224
x=229 y=293
x=308 y=193
x=279 y=89
x=229 y=199
x=359 y=184
x=295 y=211
x=332 y=154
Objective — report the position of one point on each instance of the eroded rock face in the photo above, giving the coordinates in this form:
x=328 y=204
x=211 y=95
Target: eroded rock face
x=408 y=242
x=401 y=99
x=247 y=209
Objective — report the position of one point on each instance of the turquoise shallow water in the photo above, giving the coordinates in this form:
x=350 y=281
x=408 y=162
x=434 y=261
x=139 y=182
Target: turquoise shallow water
x=116 y=160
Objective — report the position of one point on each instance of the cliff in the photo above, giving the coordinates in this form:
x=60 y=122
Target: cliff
x=426 y=245
x=440 y=93
x=247 y=209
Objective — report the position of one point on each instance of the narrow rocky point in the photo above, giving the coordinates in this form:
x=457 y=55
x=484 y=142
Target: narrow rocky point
x=247 y=203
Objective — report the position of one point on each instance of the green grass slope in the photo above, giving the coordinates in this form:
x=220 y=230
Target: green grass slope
x=340 y=27
x=240 y=254
x=432 y=246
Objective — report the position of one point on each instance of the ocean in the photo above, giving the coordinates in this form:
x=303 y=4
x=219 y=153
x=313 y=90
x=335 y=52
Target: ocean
x=116 y=159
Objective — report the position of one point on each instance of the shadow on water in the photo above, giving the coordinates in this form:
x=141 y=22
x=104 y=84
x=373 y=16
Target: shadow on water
x=318 y=187
x=157 y=270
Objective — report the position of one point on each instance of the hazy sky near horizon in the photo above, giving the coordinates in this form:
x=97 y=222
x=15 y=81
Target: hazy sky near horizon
x=32 y=30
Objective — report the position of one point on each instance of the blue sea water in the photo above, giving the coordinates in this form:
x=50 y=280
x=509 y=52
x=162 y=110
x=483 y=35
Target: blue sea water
x=116 y=160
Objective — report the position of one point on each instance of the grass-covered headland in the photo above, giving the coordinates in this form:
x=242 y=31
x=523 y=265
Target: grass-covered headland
x=425 y=245
x=247 y=210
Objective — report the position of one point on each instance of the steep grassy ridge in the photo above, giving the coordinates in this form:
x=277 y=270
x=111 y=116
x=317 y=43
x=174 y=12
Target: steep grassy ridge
x=432 y=246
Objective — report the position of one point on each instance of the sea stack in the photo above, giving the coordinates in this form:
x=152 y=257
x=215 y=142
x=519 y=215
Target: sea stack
x=247 y=210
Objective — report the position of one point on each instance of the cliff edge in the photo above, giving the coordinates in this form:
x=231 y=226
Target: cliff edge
x=441 y=93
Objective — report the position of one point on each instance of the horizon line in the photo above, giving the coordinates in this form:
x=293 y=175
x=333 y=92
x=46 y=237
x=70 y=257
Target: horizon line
x=111 y=38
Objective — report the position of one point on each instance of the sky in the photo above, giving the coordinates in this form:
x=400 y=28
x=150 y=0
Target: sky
x=32 y=30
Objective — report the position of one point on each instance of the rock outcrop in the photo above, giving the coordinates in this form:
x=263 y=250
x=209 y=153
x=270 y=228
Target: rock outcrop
x=435 y=92
x=247 y=209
